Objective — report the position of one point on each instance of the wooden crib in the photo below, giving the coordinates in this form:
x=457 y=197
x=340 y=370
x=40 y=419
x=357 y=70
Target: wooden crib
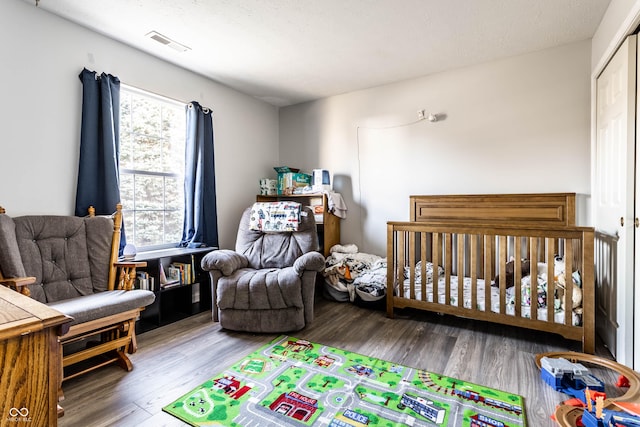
x=453 y=245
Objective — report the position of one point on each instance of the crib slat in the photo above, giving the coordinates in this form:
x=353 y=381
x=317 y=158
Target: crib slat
x=481 y=258
x=447 y=269
x=551 y=279
x=437 y=252
x=473 y=255
x=568 y=283
x=534 y=275
x=588 y=296
x=503 y=257
x=400 y=263
x=488 y=269
x=412 y=265
x=460 y=270
x=517 y=279
x=423 y=266
x=391 y=263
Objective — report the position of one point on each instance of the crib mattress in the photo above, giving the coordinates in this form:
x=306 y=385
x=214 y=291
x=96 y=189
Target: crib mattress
x=542 y=311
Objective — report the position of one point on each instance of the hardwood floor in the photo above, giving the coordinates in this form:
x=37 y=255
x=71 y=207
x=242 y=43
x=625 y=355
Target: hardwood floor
x=174 y=359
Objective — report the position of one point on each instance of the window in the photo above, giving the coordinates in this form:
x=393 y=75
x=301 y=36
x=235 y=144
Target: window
x=152 y=143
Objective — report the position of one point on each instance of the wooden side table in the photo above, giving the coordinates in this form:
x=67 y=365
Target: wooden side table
x=32 y=361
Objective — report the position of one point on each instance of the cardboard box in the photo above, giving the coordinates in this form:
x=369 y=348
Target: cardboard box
x=284 y=169
x=290 y=180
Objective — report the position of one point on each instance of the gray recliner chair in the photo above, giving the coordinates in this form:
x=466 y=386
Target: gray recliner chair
x=268 y=283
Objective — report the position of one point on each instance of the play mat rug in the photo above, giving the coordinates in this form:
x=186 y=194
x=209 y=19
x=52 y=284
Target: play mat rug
x=293 y=382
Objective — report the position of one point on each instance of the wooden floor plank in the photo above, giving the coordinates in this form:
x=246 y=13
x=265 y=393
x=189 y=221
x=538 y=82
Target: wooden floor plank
x=178 y=357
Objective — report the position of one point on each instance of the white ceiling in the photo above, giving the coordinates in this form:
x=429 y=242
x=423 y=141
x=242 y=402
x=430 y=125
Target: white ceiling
x=290 y=51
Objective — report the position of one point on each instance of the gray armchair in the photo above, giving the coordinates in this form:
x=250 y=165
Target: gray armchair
x=268 y=283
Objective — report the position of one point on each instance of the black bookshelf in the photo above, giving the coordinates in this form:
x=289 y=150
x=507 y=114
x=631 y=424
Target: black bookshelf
x=177 y=300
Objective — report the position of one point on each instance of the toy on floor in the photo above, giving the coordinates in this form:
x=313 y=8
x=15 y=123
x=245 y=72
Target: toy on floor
x=568 y=377
x=596 y=416
x=589 y=406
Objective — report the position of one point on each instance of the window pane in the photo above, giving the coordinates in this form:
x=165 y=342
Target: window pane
x=174 y=193
x=126 y=191
x=149 y=192
x=147 y=154
x=127 y=149
x=173 y=226
x=125 y=113
x=146 y=116
x=173 y=122
x=129 y=224
x=173 y=156
x=149 y=228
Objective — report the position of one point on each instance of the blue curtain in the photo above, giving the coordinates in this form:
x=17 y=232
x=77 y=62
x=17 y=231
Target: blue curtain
x=98 y=172
x=200 y=212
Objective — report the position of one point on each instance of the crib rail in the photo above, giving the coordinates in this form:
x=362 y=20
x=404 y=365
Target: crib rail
x=480 y=253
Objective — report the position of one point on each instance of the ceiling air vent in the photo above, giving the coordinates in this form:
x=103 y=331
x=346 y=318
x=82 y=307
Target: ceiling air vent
x=154 y=35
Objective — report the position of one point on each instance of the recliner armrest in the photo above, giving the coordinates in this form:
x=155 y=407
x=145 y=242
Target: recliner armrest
x=19 y=284
x=310 y=261
x=224 y=260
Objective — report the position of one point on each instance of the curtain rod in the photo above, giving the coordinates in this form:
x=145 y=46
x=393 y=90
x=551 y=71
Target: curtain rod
x=148 y=92
x=205 y=110
x=155 y=94
x=144 y=91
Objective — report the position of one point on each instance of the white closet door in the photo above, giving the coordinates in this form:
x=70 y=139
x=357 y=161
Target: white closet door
x=614 y=196
x=636 y=268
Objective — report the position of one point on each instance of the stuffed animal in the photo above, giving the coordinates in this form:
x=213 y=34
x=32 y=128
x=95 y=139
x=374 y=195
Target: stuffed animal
x=561 y=286
x=525 y=267
x=558 y=265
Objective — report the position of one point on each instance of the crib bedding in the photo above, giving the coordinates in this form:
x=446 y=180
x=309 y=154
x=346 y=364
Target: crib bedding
x=540 y=295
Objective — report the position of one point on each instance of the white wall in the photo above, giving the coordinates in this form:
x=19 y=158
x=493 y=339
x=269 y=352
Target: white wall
x=518 y=125
x=40 y=112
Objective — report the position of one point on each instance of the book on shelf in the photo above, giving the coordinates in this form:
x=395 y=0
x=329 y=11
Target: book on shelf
x=175 y=274
x=182 y=271
x=166 y=280
x=145 y=281
x=170 y=285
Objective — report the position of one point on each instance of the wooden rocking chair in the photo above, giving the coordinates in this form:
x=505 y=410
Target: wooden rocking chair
x=70 y=264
